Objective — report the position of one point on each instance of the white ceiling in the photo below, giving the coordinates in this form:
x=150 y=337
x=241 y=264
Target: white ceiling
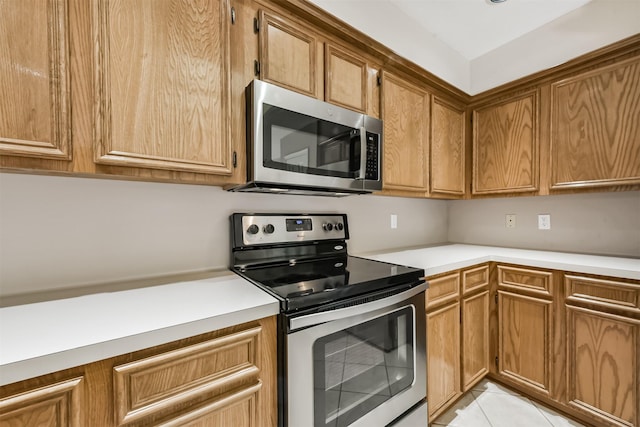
x=475 y=27
x=475 y=45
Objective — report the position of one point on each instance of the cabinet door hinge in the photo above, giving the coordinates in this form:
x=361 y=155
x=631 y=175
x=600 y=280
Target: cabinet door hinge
x=496 y=297
x=256 y=67
x=256 y=25
x=496 y=361
x=233 y=15
x=235 y=159
x=379 y=80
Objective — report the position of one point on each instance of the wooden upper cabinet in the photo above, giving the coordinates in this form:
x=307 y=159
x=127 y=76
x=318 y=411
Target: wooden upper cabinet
x=345 y=79
x=290 y=55
x=505 y=146
x=162 y=83
x=405 y=113
x=595 y=138
x=447 y=149
x=35 y=108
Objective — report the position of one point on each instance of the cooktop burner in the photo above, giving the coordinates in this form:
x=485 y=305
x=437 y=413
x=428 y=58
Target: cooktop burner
x=302 y=260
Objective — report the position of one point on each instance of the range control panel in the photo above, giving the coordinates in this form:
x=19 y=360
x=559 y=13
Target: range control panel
x=261 y=229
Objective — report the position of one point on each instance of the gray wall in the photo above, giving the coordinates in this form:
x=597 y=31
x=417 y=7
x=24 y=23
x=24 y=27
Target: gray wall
x=600 y=223
x=59 y=232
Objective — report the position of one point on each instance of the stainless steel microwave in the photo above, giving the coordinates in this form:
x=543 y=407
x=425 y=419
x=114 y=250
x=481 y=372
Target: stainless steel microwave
x=301 y=145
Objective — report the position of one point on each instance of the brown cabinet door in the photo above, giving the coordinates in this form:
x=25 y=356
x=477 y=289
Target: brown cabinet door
x=505 y=146
x=54 y=405
x=602 y=366
x=443 y=357
x=405 y=112
x=475 y=339
x=595 y=139
x=290 y=55
x=524 y=340
x=447 y=149
x=162 y=83
x=35 y=112
x=345 y=79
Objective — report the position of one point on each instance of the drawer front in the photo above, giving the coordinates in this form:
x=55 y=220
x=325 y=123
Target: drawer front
x=475 y=278
x=534 y=281
x=605 y=293
x=151 y=387
x=443 y=289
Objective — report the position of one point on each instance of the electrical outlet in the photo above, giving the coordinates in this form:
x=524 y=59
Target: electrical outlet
x=394 y=221
x=544 y=222
x=510 y=221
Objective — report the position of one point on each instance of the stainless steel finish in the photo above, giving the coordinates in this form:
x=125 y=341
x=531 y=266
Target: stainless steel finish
x=300 y=356
x=417 y=417
x=280 y=233
x=329 y=316
x=295 y=182
x=363 y=153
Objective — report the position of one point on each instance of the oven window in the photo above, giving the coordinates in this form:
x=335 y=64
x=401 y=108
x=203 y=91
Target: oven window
x=300 y=143
x=359 y=368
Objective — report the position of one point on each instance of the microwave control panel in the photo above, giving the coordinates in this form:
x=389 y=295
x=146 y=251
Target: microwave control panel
x=373 y=157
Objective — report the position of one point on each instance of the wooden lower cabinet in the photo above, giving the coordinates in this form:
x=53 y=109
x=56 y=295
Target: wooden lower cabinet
x=443 y=357
x=457 y=335
x=226 y=377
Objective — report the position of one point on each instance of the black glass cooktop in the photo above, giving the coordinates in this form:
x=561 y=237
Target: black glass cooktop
x=320 y=281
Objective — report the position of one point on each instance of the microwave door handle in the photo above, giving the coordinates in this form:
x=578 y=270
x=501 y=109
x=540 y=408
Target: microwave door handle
x=363 y=154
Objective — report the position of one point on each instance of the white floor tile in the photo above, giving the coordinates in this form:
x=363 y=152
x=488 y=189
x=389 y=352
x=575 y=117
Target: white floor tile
x=508 y=410
x=465 y=413
x=555 y=418
x=491 y=387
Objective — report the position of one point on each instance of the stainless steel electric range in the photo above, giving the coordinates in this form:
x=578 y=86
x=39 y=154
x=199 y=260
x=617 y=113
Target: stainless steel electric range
x=352 y=337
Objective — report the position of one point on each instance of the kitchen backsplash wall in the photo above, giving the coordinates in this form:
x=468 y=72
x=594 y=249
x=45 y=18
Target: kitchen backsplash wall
x=600 y=223
x=60 y=232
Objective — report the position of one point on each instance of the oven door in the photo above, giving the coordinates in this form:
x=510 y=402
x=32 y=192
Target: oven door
x=363 y=365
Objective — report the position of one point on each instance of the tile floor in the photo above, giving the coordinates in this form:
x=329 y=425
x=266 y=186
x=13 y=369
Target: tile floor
x=491 y=405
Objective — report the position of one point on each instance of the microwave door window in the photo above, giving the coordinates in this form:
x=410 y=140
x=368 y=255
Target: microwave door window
x=299 y=143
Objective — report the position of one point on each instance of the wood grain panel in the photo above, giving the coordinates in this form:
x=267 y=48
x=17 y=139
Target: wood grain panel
x=405 y=112
x=35 y=112
x=234 y=409
x=523 y=354
x=162 y=81
x=345 y=79
x=475 y=339
x=288 y=55
x=603 y=360
x=442 y=289
x=605 y=293
x=56 y=405
x=146 y=387
x=505 y=146
x=534 y=281
x=595 y=139
x=443 y=358
x=475 y=278
x=447 y=148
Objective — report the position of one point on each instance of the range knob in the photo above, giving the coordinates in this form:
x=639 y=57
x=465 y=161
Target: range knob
x=327 y=226
x=253 y=229
x=339 y=226
x=269 y=228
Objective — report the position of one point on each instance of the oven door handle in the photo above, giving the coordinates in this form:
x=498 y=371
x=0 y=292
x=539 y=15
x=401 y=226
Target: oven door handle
x=341 y=313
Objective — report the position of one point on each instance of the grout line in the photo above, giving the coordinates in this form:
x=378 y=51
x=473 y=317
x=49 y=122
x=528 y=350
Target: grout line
x=538 y=409
x=482 y=410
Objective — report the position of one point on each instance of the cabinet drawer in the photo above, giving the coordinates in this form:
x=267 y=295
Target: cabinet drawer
x=475 y=278
x=151 y=386
x=443 y=289
x=606 y=293
x=537 y=282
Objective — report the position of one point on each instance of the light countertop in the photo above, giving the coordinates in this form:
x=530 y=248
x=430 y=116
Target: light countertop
x=40 y=338
x=45 y=337
x=440 y=259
